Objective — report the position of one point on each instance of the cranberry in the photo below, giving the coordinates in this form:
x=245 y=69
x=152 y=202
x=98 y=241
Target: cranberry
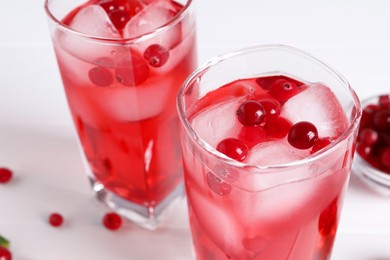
x=271 y=107
x=368 y=116
x=302 y=135
x=251 y=113
x=278 y=127
x=119 y=18
x=5 y=175
x=321 y=143
x=233 y=148
x=56 y=219
x=384 y=101
x=368 y=136
x=156 y=55
x=283 y=90
x=385 y=157
x=120 y=11
x=112 y=221
x=364 y=150
x=266 y=82
x=327 y=223
x=5 y=254
x=101 y=76
x=382 y=119
x=132 y=70
x=252 y=135
x=217 y=185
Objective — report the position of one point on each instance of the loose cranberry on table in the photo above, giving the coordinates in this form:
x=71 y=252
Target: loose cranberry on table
x=56 y=219
x=112 y=221
x=5 y=175
x=373 y=143
x=5 y=254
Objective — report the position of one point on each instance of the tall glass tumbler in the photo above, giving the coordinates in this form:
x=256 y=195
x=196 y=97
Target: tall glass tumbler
x=270 y=210
x=121 y=64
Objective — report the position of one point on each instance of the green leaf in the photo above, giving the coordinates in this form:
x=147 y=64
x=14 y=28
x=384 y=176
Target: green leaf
x=4 y=242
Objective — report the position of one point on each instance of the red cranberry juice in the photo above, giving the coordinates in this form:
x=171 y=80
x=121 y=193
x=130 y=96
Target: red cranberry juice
x=288 y=213
x=122 y=97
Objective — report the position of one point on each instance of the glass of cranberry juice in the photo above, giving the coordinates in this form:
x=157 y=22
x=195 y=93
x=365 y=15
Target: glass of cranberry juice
x=268 y=137
x=121 y=63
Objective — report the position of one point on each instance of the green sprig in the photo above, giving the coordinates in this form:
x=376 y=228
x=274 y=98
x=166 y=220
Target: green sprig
x=4 y=242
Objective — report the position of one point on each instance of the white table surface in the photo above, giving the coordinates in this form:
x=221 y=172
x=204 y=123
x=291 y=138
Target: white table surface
x=37 y=139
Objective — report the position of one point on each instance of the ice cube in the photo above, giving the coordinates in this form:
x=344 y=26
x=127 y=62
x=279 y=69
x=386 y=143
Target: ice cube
x=217 y=122
x=90 y=20
x=274 y=152
x=318 y=105
x=93 y=20
x=134 y=103
x=156 y=14
x=217 y=223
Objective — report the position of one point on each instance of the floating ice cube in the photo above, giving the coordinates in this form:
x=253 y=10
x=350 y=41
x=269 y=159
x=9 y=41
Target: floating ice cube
x=217 y=223
x=274 y=152
x=99 y=105
x=93 y=20
x=136 y=103
x=90 y=20
x=217 y=122
x=318 y=105
x=156 y=14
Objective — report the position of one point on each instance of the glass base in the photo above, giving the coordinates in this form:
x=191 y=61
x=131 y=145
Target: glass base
x=147 y=217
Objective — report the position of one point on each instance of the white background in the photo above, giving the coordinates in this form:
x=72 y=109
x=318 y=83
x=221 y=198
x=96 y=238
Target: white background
x=37 y=139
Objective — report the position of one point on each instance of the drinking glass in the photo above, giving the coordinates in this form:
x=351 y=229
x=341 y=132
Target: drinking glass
x=120 y=77
x=273 y=211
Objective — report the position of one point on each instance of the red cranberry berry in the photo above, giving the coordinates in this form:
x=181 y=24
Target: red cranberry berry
x=283 y=90
x=303 y=135
x=271 y=107
x=266 y=82
x=327 y=223
x=368 y=116
x=233 y=148
x=132 y=70
x=385 y=157
x=5 y=175
x=112 y=221
x=368 y=136
x=384 y=101
x=217 y=185
x=251 y=113
x=278 y=127
x=364 y=150
x=156 y=55
x=56 y=219
x=5 y=254
x=119 y=18
x=252 y=135
x=320 y=144
x=382 y=119
x=101 y=76
x=120 y=11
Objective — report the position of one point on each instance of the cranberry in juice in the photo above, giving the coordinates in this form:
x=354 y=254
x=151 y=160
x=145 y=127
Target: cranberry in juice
x=121 y=68
x=290 y=212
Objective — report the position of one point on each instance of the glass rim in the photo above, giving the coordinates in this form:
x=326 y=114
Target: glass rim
x=253 y=49
x=131 y=40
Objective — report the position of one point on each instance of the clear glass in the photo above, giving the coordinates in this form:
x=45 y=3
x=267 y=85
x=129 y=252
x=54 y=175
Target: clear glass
x=285 y=211
x=375 y=178
x=121 y=95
